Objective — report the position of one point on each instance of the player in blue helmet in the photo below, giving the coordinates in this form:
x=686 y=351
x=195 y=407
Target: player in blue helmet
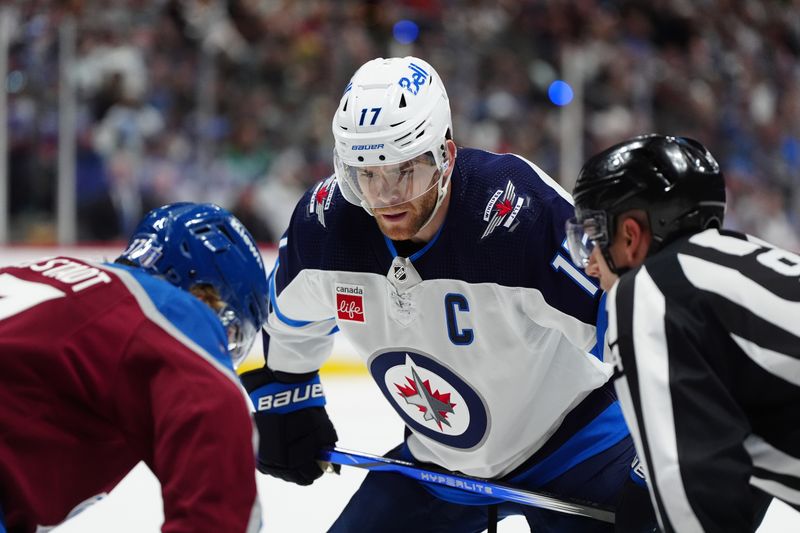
x=204 y=249
x=137 y=364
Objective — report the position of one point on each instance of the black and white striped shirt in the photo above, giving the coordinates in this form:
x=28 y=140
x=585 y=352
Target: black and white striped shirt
x=706 y=339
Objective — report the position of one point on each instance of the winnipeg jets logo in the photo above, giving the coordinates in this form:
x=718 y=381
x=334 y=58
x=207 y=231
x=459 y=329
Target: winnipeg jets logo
x=432 y=404
x=321 y=198
x=502 y=209
x=431 y=399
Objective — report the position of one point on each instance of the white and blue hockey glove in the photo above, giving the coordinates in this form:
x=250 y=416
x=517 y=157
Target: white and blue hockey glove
x=292 y=423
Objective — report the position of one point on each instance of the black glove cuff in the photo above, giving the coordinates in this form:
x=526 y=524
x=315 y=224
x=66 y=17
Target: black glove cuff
x=254 y=379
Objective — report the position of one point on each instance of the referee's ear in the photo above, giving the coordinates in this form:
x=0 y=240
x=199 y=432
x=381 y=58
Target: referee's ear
x=633 y=238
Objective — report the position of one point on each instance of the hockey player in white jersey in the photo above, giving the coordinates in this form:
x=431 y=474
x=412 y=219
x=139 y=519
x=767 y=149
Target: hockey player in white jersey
x=447 y=270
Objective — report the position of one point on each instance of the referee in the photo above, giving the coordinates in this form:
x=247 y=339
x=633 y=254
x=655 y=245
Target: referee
x=704 y=330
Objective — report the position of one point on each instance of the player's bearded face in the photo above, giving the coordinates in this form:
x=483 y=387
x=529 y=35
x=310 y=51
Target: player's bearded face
x=402 y=222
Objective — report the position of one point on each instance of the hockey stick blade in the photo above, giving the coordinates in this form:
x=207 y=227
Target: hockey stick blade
x=484 y=487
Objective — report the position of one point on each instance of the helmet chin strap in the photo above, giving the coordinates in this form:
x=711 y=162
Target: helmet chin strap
x=612 y=266
x=367 y=208
x=442 y=186
x=655 y=246
x=439 y=199
x=656 y=243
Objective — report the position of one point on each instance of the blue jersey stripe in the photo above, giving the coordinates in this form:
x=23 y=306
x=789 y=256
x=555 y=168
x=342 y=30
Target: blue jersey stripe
x=186 y=313
x=390 y=246
x=606 y=430
x=428 y=246
x=419 y=253
x=274 y=301
x=602 y=326
x=602 y=433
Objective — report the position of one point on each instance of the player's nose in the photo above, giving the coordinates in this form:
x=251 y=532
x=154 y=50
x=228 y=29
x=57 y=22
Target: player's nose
x=593 y=267
x=390 y=190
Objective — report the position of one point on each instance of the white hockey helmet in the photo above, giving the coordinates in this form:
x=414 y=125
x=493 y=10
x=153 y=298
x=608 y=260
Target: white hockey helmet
x=389 y=131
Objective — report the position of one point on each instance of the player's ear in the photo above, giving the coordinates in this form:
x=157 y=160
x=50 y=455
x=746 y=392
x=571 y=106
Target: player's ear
x=635 y=240
x=450 y=155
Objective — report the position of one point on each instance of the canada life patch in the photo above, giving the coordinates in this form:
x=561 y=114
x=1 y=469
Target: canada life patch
x=350 y=303
x=431 y=398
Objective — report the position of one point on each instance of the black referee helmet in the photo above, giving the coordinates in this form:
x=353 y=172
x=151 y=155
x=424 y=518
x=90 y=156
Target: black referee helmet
x=675 y=180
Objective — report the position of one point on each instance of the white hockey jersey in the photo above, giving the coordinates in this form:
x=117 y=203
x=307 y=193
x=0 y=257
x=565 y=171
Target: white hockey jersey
x=480 y=340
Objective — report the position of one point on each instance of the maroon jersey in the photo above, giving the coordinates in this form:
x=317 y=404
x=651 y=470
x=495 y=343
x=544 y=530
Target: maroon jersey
x=102 y=366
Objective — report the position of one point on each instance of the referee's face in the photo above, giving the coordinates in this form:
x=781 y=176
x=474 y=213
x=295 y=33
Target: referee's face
x=598 y=268
x=627 y=250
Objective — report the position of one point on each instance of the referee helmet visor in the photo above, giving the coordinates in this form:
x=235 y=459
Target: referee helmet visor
x=584 y=232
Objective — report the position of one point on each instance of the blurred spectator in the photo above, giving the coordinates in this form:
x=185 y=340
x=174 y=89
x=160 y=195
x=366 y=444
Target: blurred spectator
x=276 y=195
x=231 y=100
x=97 y=217
x=127 y=125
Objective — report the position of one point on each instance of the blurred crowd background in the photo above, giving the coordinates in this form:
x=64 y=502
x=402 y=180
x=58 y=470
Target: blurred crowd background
x=230 y=101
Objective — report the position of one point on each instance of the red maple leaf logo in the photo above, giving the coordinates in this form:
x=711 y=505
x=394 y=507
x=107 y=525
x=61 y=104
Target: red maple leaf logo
x=322 y=193
x=410 y=390
x=503 y=208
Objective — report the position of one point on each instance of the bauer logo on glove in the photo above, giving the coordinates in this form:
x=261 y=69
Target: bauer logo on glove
x=277 y=397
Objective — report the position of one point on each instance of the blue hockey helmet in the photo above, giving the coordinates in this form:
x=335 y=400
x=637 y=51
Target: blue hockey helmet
x=193 y=245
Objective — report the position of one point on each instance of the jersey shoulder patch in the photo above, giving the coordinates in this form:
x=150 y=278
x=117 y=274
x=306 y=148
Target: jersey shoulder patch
x=326 y=231
x=324 y=209
x=320 y=198
x=502 y=192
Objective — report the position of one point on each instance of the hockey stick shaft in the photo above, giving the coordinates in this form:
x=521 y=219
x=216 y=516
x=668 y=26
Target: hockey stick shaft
x=484 y=487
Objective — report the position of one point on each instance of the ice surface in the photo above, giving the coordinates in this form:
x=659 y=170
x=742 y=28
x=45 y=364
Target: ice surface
x=365 y=422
